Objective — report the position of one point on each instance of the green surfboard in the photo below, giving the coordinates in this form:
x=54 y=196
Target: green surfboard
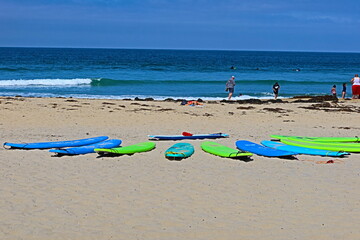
x=331 y=146
x=223 y=151
x=131 y=149
x=318 y=139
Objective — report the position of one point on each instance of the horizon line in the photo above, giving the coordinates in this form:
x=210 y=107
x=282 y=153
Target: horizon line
x=180 y=49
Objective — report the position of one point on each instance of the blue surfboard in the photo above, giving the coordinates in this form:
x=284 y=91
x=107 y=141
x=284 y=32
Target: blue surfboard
x=112 y=143
x=182 y=137
x=60 y=144
x=261 y=150
x=179 y=151
x=302 y=150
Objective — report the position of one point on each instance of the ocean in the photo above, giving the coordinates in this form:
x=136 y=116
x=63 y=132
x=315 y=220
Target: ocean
x=161 y=74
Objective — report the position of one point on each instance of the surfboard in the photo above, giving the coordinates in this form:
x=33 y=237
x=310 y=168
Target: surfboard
x=303 y=150
x=131 y=149
x=262 y=150
x=112 y=143
x=345 y=147
x=179 y=151
x=59 y=144
x=182 y=137
x=318 y=139
x=223 y=151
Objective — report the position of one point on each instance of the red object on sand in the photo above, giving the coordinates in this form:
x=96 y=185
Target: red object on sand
x=330 y=161
x=186 y=134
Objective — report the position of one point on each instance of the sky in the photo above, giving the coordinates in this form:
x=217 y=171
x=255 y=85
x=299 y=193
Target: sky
x=277 y=25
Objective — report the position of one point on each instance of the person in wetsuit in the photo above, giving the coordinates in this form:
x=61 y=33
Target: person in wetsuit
x=343 y=91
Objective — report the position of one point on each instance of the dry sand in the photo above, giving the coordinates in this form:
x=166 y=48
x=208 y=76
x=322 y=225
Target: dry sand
x=145 y=196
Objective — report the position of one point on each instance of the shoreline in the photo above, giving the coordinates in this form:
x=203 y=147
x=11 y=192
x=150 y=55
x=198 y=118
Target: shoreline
x=323 y=97
x=146 y=196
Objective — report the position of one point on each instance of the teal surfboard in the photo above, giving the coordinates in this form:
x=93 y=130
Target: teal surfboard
x=179 y=151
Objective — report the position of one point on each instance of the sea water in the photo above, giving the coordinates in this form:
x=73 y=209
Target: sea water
x=161 y=74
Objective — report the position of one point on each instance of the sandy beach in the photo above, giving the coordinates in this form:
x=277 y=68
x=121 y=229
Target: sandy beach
x=146 y=196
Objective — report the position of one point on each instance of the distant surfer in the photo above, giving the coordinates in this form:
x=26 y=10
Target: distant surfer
x=296 y=69
x=230 y=86
x=276 y=88
x=233 y=68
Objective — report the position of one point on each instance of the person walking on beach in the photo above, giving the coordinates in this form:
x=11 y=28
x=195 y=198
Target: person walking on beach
x=230 y=86
x=355 y=86
x=343 y=93
x=333 y=90
x=276 y=88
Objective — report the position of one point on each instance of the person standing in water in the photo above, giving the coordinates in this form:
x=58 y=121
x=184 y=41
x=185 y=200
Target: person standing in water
x=230 y=86
x=343 y=93
x=333 y=90
x=355 y=86
x=276 y=88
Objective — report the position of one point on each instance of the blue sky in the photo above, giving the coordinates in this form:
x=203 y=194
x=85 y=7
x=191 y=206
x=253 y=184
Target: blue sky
x=289 y=25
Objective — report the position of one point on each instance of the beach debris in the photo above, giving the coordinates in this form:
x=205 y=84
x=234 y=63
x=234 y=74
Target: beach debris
x=328 y=107
x=245 y=108
x=145 y=99
x=108 y=103
x=212 y=102
x=18 y=98
x=254 y=101
x=165 y=109
x=314 y=99
x=277 y=110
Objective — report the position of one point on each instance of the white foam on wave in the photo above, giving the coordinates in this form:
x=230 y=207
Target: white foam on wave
x=46 y=82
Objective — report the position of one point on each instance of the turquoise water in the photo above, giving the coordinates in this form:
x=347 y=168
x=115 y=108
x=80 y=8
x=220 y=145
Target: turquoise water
x=130 y=73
